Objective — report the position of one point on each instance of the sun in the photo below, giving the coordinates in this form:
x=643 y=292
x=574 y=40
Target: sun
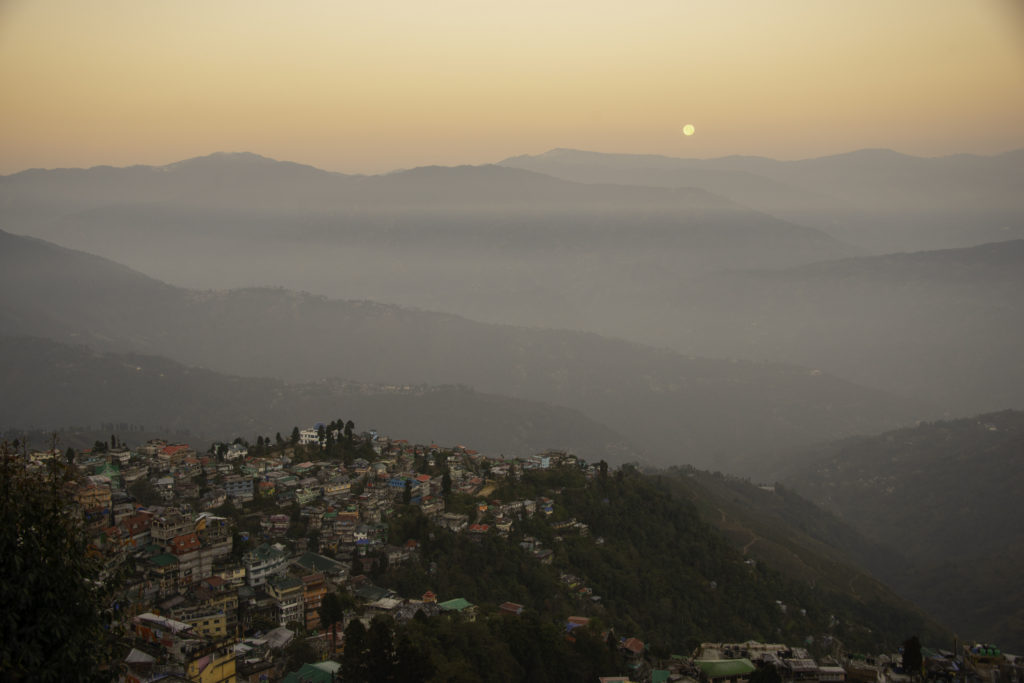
x=689 y=130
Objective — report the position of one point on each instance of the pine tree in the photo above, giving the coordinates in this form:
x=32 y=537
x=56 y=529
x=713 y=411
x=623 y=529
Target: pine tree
x=57 y=611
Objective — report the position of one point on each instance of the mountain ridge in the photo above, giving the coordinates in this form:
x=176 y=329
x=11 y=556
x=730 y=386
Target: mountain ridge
x=677 y=408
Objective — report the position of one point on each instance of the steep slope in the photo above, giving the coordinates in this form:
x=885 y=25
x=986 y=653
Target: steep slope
x=661 y=566
x=774 y=524
x=676 y=408
x=944 y=495
x=53 y=386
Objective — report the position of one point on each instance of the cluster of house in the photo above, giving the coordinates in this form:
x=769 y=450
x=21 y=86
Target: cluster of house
x=194 y=594
x=735 y=662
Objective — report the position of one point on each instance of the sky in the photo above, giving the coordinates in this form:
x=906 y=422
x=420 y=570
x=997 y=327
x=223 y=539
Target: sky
x=367 y=87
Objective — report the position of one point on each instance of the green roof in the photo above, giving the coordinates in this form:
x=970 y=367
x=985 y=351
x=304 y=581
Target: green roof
x=284 y=582
x=308 y=674
x=319 y=563
x=163 y=559
x=659 y=675
x=725 y=668
x=456 y=605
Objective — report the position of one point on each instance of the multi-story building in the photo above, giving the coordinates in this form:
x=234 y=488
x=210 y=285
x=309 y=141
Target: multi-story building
x=169 y=526
x=238 y=487
x=263 y=562
x=313 y=591
x=287 y=593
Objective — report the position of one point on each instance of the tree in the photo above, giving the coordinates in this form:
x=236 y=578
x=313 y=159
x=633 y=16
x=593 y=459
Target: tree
x=57 y=610
x=331 y=612
x=446 y=483
x=407 y=492
x=299 y=652
x=142 y=490
x=766 y=674
x=912 y=659
x=353 y=661
x=294 y=440
x=380 y=645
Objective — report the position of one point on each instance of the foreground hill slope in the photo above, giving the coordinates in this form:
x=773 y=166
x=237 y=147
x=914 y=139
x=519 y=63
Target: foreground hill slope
x=676 y=408
x=776 y=525
x=945 y=495
x=660 y=570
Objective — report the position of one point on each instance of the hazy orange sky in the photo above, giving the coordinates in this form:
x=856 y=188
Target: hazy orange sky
x=373 y=86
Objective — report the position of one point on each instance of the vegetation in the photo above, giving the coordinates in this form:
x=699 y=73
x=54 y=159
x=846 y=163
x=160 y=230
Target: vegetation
x=941 y=496
x=529 y=647
x=662 y=573
x=57 y=606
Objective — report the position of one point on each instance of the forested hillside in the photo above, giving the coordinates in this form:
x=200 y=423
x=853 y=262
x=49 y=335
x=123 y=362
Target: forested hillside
x=945 y=495
x=646 y=565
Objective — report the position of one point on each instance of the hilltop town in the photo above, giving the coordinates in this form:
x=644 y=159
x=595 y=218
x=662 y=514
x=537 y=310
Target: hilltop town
x=331 y=554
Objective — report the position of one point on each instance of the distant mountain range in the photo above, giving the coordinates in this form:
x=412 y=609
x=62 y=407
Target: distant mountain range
x=685 y=265
x=946 y=324
x=674 y=408
x=875 y=198
x=491 y=243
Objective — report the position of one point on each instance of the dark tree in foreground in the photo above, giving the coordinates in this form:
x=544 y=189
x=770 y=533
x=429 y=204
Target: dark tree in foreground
x=766 y=674
x=331 y=612
x=353 y=661
x=55 y=622
x=912 y=656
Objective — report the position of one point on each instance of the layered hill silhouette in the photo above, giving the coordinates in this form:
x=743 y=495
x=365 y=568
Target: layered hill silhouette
x=945 y=324
x=675 y=408
x=488 y=242
x=875 y=198
x=56 y=386
x=686 y=266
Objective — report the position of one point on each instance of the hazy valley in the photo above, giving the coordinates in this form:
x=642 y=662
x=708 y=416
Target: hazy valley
x=737 y=315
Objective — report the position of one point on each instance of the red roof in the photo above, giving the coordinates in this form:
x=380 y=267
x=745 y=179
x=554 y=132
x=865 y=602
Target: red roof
x=185 y=544
x=634 y=645
x=175 y=448
x=511 y=607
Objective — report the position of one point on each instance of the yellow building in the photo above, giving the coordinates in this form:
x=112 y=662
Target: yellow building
x=215 y=664
x=210 y=624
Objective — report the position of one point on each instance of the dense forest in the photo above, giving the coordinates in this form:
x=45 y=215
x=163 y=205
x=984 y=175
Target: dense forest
x=647 y=566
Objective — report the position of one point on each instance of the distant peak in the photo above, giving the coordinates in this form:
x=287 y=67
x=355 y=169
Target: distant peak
x=224 y=158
